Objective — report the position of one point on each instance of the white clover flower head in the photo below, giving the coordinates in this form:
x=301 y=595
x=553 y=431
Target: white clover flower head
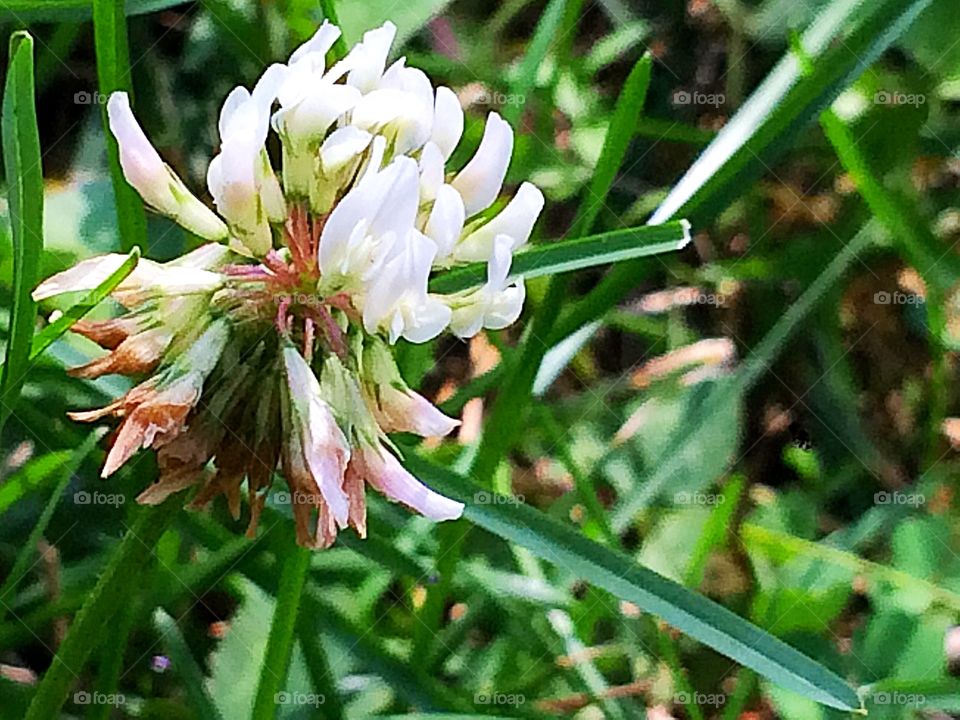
x=269 y=348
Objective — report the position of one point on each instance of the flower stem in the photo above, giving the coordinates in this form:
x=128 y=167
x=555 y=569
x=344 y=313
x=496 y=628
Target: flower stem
x=276 y=658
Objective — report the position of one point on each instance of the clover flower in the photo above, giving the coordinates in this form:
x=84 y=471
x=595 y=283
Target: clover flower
x=268 y=349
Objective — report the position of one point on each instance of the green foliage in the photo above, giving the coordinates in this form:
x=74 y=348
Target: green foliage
x=632 y=515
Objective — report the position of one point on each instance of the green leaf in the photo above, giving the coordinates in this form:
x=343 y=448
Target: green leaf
x=577 y=254
x=29 y=11
x=613 y=571
x=52 y=332
x=113 y=73
x=128 y=560
x=21 y=157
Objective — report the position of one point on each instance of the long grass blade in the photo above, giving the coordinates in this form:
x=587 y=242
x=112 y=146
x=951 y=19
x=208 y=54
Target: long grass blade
x=113 y=73
x=687 y=611
x=21 y=158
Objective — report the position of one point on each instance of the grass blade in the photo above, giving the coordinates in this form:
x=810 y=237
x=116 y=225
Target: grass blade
x=577 y=254
x=52 y=332
x=687 y=611
x=21 y=157
x=129 y=558
x=846 y=37
x=20 y=568
x=24 y=11
x=187 y=667
x=545 y=34
x=276 y=658
x=752 y=369
x=113 y=73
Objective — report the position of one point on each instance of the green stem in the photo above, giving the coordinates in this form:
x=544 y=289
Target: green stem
x=276 y=658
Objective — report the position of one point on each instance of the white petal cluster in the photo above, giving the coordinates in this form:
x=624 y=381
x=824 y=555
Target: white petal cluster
x=365 y=147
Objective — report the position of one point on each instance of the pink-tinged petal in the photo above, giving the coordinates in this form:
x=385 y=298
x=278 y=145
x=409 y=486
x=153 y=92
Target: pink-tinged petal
x=324 y=446
x=408 y=411
x=149 y=175
x=480 y=180
x=387 y=475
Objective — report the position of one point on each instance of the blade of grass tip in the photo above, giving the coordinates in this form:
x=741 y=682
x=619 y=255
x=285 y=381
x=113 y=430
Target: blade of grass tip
x=52 y=332
x=690 y=613
x=21 y=564
x=21 y=157
x=753 y=368
x=574 y=254
x=276 y=658
x=185 y=665
x=318 y=665
x=103 y=602
x=113 y=73
x=329 y=10
x=843 y=40
x=543 y=37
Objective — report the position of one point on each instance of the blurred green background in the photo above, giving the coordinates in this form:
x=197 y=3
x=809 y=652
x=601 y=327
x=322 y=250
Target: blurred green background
x=815 y=495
